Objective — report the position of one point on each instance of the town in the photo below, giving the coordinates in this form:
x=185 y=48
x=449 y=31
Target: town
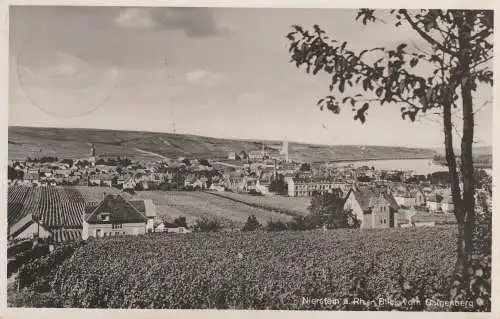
x=379 y=198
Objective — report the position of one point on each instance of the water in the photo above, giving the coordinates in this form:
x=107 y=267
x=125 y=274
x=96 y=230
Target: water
x=418 y=166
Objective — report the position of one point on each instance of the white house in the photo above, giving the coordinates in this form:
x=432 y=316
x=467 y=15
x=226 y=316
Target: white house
x=113 y=216
x=447 y=204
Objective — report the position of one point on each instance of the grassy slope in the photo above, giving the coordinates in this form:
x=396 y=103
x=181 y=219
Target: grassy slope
x=28 y=141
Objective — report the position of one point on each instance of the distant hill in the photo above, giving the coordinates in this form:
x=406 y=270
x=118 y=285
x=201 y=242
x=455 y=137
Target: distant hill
x=75 y=143
x=478 y=151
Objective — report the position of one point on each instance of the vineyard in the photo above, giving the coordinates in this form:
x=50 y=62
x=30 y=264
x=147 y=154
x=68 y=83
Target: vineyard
x=259 y=270
x=58 y=208
x=285 y=205
x=61 y=208
x=194 y=205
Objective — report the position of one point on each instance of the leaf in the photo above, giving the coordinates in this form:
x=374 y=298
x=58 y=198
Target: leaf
x=379 y=91
x=413 y=62
x=320 y=101
x=341 y=86
x=342 y=47
x=401 y=47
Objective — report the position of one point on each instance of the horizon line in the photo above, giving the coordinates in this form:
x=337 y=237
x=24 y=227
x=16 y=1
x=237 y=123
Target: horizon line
x=226 y=138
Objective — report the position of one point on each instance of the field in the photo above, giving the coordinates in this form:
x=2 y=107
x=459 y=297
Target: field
x=194 y=205
x=62 y=206
x=286 y=205
x=71 y=143
x=258 y=270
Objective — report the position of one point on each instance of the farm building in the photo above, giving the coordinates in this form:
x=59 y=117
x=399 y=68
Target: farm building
x=374 y=210
x=178 y=230
x=114 y=216
x=27 y=228
x=148 y=209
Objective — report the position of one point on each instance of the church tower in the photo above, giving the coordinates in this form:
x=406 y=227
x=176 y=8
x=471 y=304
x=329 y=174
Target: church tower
x=92 y=155
x=284 y=150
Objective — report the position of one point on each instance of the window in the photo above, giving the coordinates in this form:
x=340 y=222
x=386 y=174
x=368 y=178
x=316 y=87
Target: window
x=385 y=221
x=105 y=217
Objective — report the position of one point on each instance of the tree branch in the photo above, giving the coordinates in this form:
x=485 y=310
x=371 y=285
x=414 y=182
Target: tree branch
x=424 y=35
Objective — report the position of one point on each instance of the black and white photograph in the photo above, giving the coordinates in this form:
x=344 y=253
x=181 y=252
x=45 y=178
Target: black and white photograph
x=249 y=158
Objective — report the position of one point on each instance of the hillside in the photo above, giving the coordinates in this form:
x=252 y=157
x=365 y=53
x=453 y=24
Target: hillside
x=75 y=143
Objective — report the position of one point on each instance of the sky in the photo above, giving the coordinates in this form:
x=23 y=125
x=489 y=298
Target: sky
x=220 y=72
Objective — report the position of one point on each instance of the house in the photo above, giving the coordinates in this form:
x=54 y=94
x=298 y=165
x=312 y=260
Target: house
x=27 y=228
x=447 y=205
x=31 y=177
x=258 y=155
x=433 y=202
x=231 y=156
x=374 y=210
x=405 y=198
x=419 y=197
x=148 y=209
x=114 y=216
x=178 y=230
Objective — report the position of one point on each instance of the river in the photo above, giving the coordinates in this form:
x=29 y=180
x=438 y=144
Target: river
x=418 y=166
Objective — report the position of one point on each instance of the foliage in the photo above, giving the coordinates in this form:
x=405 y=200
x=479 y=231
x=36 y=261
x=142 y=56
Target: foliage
x=278 y=185
x=305 y=167
x=32 y=299
x=39 y=271
x=460 y=60
x=249 y=270
x=329 y=211
x=205 y=224
x=390 y=75
x=181 y=222
x=276 y=226
x=251 y=224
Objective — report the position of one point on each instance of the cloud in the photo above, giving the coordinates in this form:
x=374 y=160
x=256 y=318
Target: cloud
x=134 y=18
x=204 y=77
x=194 y=22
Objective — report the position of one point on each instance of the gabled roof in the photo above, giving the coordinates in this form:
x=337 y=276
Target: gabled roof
x=119 y=209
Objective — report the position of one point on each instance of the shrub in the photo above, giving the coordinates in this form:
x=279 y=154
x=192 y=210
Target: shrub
x=205 y=224
x=251 y=224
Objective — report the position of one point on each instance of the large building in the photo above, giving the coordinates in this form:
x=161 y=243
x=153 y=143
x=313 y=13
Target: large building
x=299 y=187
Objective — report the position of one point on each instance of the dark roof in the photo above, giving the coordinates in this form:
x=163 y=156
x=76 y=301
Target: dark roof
x=120 y=210
x=139 y=205
x=366 y=197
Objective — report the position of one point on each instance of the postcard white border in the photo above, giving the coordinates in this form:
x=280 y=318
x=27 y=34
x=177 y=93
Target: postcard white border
x=98 y=314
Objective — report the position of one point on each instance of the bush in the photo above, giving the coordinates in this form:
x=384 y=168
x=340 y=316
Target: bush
x=276 y=226
x=207 y=225
x=251 y=224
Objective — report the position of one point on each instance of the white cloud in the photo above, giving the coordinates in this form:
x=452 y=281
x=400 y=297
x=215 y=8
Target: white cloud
x=134 y=18
x=204 y=77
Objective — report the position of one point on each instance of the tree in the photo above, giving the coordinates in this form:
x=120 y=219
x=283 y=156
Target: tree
x=329 y=211
x=181 y=222
x=460 y=56
x=278 y=185
x=251 y=224
x=305 y=167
